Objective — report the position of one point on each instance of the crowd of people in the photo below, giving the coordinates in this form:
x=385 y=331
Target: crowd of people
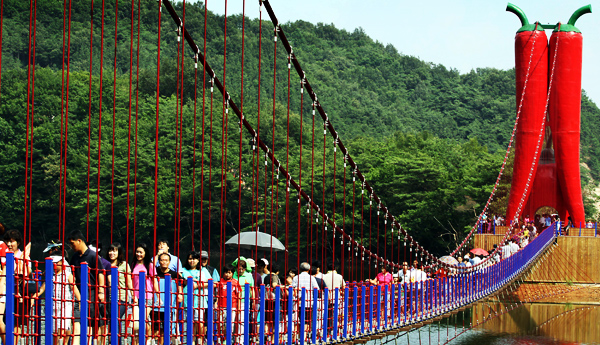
x=540 y=221
x=194 y=274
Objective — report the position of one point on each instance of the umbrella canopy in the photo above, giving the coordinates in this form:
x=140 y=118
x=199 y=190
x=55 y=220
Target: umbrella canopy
x=449 y=260
x=256 y=239
x=479 y=251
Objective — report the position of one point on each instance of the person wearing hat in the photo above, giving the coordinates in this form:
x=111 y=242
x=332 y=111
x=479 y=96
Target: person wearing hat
x=54 y=250
x=214 y=273
x=65 y=293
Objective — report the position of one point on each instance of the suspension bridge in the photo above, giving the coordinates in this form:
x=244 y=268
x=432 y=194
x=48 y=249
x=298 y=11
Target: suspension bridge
x=245 y=178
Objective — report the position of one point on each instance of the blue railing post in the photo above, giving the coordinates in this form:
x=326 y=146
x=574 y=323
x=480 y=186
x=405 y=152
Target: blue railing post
x=346 y=292
x=436 y=295
x=362 y=308
x=228 y=316
x=84 y=306
x=49 y=301
x=246 y=314
x=210 y=319
x=167 y=308
x=392 y=301
x=290 y=323
x=189 y=322
x=412 y=290
x=10 y=298
x=401 y=302
x=276 y=312
x=325 y=313
x=141 y=308
x=302 y=315
x=261 y=322
x=315 y=308
x=595 y=229
x=421 y=296
x=114 y=305
x=379 y=305
x=336 y=310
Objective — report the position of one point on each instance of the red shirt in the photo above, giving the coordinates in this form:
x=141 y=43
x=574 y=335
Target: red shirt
x=222 y=293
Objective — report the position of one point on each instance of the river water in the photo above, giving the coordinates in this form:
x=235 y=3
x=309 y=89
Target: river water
x=537 y=323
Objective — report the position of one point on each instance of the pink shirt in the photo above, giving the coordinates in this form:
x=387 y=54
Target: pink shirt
x=136 y=282
x=384 y=278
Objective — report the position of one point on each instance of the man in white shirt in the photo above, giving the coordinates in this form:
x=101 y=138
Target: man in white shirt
x=506 y=250
x=308 y=282
x=514 y=247
x=403 y=274
x=476 y=260
x=333 y=279
x=304 y=279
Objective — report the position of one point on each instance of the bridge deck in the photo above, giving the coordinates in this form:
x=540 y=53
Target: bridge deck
x=354 y=313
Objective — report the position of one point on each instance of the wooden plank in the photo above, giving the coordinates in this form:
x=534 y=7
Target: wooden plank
x=576 y=260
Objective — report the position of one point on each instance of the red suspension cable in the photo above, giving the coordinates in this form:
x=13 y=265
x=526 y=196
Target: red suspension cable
x=28 y=119
x=156 y=126
x=89 y=161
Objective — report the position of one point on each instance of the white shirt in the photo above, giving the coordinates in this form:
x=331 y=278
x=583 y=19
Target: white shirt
x=305 y=280
x=333 y=280
x=506 y=252
x=416 y=275
x=404 y=278
x=513 y=247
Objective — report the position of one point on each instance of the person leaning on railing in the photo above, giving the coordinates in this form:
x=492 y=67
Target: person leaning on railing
x=64 y=295
x=382 y=278
x=23 y=291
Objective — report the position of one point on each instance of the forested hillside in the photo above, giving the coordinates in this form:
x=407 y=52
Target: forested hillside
x=430 y=140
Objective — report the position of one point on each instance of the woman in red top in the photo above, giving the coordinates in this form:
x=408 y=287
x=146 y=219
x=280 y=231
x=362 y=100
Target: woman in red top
x=383 y=277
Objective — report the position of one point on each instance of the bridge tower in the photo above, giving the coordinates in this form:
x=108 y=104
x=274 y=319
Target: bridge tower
x=548 y=78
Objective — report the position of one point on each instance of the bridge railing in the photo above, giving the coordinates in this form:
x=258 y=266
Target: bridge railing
x=245 y=316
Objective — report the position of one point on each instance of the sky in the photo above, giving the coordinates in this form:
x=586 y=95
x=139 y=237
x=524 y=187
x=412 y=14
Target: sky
x=463 y=35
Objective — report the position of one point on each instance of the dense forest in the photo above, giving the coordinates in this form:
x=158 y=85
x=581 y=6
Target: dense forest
x=429 y=139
